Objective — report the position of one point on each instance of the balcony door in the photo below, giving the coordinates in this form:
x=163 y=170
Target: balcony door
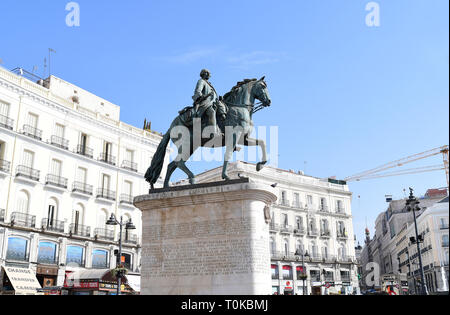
x=32 y=120
x=59 y=131
x=81 y=175
x=4 y=109
x=55 y=168
x=106 y=181
x=83 y=143
x=28 y=159
x=129 y=156
x=107 y=149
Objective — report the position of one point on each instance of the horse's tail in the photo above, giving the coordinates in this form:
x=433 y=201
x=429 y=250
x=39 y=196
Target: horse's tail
x=155 y=168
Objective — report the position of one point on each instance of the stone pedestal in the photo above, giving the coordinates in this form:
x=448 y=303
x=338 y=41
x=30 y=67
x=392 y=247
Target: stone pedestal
x=207 y=239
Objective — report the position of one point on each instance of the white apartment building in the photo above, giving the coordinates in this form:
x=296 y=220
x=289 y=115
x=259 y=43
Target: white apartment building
x=311 y=216
x=391 y=250
x=67 y=163
x=433 y=226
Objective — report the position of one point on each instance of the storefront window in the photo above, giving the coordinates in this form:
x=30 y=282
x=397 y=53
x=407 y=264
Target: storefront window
x=301 y=273
x=287 y=273
x=315 y=275
x=100 y=259
x=17 y=249
x=47 y=253
x=127 y=261
x=75 y=255
x=274 y=272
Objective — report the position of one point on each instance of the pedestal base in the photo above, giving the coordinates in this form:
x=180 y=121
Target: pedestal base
x=207 y=239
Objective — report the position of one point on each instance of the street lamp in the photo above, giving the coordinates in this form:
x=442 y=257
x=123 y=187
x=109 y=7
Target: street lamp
x=412 y=204
x=300 y=253
x=128 y=226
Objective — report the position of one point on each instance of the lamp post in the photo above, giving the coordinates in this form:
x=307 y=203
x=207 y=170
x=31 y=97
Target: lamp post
x=300 y=253
x=128 y=226
x=412 y=204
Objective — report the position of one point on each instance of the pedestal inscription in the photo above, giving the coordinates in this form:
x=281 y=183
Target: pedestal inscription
x=206 y=240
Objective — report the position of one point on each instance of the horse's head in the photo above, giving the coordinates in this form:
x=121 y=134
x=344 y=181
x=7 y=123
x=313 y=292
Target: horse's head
x=261 y=93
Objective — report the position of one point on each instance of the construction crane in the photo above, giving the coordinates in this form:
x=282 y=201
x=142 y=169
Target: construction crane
x=380 y=171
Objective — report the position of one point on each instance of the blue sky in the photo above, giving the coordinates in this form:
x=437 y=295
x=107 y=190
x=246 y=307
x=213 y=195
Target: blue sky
x=346 y=97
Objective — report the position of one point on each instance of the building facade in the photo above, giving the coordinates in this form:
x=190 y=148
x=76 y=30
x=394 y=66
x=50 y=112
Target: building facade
x=390 y=252
x=67 y=163
x=311 y=232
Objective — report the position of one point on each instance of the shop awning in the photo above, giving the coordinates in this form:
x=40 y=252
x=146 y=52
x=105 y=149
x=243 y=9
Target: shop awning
x=134 y=282
x=23 y=280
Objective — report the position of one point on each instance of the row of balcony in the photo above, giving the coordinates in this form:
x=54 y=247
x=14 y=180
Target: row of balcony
x=62 y=143
x=289 y=256
x=321 y=208
x=301 y=231
x=61 y=182
x=51 y=225
x=311 y=278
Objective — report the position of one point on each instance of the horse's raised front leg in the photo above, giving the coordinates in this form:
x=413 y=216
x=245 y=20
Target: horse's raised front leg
x=251 y=142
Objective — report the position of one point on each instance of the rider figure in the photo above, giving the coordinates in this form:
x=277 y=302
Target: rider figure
x=205 y=98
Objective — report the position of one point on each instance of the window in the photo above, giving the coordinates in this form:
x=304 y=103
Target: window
x=323 y=204
x=102 y=217
x=299 y=223
x=59 y=131
x=47 y=253
x=275 y=272
x=286 y=247
x=55 y=168
x=310 y=200
x=106 y=182
x=129 y=156
x=81 y=175
x=128 y=188
x=287 y=273
x=285 y=220
x=32 y=120
x=301 y=273
x=17 y=249
x=325 y=251
x=283 y=198
x=273 y=246
x=100 y=259
x=445 y=240
x=75 y=256
x=23 y=202
x=28 y=159
x=4 y=110
x=315 y=275
x=297 y=199
x=126 y=261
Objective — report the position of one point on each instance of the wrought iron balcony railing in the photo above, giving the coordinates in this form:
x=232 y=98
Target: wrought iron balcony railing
x=5 y=166
x=6 y=122
x=23 y=219
x=27 y=172
x=124 y=198
x=130 y=166
x=56 y=181
x=313 y=232
x=85 y=151
x=60 y=142
x=299 y=231
x=323 y=208
x=49 y=224
x=286 y=229
x=106 y=194
x=273 y=227
x=442 y=226
x=285 y=203
x=340 y=211
x=104 y=234
x=325 y=233
x=79 y=230
x=129 y=238
x=107 y=158
x=342 y=235
x=18 y=256
x=82 y=188
x=32 y=132
x=47 y=260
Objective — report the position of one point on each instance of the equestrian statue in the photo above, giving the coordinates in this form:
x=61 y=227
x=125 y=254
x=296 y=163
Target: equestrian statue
x=227 y=120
